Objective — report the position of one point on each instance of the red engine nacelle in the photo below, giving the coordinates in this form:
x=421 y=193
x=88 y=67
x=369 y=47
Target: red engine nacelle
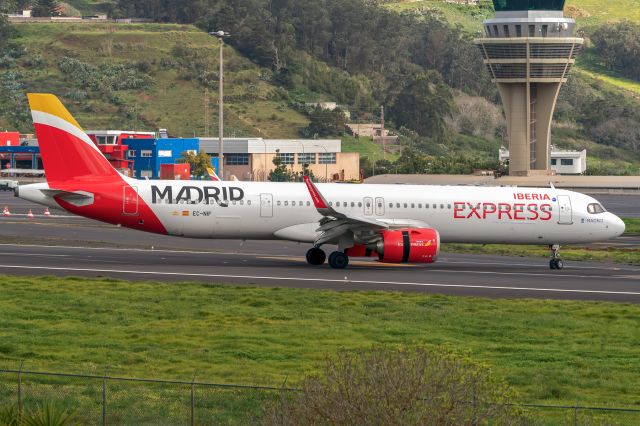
x=419 y=245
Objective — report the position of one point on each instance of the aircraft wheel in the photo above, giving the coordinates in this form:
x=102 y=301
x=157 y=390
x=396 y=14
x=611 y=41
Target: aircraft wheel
x=316 y=256
x=338 y=260
x=556 y=264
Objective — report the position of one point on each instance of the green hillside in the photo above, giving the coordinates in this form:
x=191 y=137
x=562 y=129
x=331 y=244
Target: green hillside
x=145 y=77
x=586 y=12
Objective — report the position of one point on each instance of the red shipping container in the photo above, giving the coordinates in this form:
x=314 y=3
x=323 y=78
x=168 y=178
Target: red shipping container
x=175 y=171
x=9 y=139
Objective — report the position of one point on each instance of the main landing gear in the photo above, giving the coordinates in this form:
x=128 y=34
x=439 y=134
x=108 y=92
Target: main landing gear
x=337 y=259
x=316 y=256
x=555 y=262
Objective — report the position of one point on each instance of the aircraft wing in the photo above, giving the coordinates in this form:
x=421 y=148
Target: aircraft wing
x=334 y=223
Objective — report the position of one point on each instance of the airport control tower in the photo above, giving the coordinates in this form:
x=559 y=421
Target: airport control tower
x=529 y=49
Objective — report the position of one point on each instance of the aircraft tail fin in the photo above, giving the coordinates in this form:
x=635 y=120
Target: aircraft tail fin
x=67 y=152
x=212 y=174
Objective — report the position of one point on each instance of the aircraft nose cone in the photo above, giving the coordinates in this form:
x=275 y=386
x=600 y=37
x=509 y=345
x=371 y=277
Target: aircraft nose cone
x=618 y=226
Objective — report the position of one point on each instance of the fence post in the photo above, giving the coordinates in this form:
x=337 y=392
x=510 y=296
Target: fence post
x=193 y=400
x=104 y=400
x=575 y=415
x=20 y=390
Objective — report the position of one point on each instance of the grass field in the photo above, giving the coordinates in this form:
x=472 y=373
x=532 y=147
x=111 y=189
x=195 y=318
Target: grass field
x=366 y=147
x=549 y=351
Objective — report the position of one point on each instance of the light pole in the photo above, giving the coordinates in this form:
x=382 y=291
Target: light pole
x=221 y=35
x=304 y=164
x=325 y=162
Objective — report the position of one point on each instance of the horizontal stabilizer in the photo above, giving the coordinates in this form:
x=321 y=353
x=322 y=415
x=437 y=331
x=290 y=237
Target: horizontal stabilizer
x=77 y=198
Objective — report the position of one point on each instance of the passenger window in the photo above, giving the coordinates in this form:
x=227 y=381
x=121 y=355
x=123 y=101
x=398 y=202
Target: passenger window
x=390 y=205
x=279 y=203
x=353 y=204
x=435 y=206
x=331 y=203
x=359 y=204
x=442 y=206
x=293 y=203
x=413 y=206
x=419 y=205
x=308 y=203
x=286 y=203
x=398 y=205
x=248 y=202
x=449 y=206
x=405 y=205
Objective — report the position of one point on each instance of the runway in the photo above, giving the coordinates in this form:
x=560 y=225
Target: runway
x=64 y=245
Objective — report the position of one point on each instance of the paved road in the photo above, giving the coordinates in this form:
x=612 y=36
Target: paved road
x=272 y=264
x=67 y=245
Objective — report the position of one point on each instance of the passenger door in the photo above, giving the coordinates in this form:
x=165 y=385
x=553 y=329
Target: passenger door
x=266 y=205
x=564 y=206
x=368 y=206
x=379 y=206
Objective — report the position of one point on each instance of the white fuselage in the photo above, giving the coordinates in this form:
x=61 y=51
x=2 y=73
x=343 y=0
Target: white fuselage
x=251 y=210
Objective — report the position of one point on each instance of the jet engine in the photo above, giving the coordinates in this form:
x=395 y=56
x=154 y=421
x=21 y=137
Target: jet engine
x=412 y=245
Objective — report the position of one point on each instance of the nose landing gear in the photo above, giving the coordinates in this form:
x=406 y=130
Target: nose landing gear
x=555 y=262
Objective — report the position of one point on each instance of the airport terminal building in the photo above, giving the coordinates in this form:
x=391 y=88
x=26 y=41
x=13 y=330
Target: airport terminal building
x=251 y=159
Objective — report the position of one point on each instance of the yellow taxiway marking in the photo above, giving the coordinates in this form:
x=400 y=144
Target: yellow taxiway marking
x=351 y=262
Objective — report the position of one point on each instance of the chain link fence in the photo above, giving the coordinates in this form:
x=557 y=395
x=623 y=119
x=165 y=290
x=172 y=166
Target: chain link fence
x=105 y=400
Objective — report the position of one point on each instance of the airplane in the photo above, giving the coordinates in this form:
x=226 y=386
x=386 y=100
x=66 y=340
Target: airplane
x=395 y=223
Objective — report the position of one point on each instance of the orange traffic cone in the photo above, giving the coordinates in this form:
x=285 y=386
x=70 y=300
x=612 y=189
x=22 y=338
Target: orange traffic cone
x=6 y=211
x=47 y=212
x=30 y=214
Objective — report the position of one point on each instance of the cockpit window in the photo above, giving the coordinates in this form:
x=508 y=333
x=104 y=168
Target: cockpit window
x=595 y=208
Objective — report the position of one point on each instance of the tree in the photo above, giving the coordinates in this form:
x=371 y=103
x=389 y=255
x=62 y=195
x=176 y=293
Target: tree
x=281 y=173
x=199 y=162
x=408 y=386
x=423 y=104
x=325 y=122
x=46 y=8
x=5 y=30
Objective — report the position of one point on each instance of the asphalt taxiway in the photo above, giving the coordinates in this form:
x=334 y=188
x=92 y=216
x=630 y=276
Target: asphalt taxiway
x=64 y=245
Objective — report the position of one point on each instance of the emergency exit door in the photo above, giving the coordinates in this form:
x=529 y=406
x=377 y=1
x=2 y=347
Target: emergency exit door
x=130 y=200
x=266 y=205
x=564 y=205
x=368 y=206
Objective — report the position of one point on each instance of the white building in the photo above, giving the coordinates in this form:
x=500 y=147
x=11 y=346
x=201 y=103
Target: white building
x=562 y=162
